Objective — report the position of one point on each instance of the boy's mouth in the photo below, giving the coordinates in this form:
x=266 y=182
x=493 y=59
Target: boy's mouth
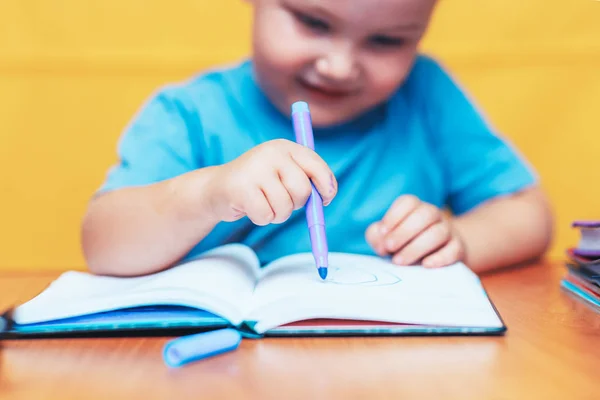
x=323 y=92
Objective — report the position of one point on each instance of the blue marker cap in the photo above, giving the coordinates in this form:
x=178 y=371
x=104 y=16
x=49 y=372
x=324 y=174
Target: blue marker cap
x=196 y=347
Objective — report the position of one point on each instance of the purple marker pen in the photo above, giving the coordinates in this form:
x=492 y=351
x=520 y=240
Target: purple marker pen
x=314 y=205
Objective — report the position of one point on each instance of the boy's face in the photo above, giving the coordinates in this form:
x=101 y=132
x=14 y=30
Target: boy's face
x=343 y=57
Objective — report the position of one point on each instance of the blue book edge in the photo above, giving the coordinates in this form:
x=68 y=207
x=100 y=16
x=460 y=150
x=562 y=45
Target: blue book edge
x=129 y=319
x=580 y=294
x=170 y=320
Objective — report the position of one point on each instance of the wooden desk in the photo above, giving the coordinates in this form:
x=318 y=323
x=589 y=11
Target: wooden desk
x=551 y=351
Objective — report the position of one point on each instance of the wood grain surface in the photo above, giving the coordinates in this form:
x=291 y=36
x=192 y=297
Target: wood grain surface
x=550 y=351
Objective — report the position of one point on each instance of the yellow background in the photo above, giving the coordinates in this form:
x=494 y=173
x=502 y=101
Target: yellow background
x=73 y=72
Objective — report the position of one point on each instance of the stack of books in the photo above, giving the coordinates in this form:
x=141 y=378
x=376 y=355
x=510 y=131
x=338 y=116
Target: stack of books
x=583 y=277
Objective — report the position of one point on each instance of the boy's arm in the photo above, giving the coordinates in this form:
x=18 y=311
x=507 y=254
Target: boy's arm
x=506 y=230
x=142 y=229
x=502 y=215
x=502 y=231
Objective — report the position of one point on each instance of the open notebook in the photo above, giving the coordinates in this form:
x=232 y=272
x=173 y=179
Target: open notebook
x=362 y=295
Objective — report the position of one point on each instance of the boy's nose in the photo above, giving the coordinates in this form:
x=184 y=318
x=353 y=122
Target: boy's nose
x=338 y=66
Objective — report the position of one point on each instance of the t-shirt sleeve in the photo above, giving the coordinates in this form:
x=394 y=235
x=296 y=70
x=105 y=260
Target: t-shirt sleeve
x=158 y=144
x=478 y=163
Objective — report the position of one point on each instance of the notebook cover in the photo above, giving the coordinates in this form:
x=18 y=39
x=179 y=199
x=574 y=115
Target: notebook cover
x=138 y=321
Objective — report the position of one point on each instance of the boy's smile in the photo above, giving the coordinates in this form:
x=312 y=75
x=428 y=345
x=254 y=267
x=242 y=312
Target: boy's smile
x=320 y=92
x=343 y=57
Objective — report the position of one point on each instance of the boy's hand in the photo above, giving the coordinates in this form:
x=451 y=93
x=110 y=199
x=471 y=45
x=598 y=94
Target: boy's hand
x=413 y=231
x=268 y=182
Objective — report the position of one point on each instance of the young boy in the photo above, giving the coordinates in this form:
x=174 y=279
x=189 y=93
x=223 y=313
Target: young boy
x=213 y=160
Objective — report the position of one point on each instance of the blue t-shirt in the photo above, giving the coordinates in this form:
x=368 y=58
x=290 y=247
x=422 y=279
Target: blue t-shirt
x=428 y=140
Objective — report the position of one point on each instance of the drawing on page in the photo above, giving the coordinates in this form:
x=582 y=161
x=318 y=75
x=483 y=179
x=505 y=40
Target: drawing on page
x=341 y=272
x=361 y=276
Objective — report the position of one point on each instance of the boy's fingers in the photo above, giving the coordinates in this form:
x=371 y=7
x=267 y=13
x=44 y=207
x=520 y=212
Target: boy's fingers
x=372 y=234
x=296 y=182
x=374 y=238
x=430 y=240
x=400 y=209
x=257 y=208
x=449 y=254
x=317 y=170
x=279 y=199
x=411 y=226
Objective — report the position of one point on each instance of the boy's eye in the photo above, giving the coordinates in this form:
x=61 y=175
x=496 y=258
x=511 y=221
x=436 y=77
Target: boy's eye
x=386 y=41
x=315 y=24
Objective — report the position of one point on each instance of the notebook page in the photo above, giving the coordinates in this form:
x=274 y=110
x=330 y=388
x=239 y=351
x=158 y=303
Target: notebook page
x=370 y=288
x=220 y=281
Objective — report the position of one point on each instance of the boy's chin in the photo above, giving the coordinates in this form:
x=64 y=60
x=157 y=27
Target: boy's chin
x=323 y=117
x=323 y=120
